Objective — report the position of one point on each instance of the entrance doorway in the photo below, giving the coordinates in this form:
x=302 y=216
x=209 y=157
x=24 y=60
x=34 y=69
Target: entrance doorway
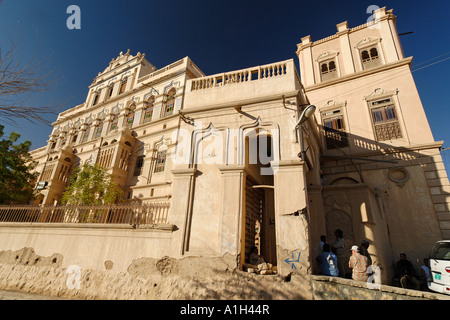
x=258 y=225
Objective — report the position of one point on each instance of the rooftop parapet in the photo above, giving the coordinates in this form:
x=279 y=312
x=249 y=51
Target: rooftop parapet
x=178 y=66
x=236 y=86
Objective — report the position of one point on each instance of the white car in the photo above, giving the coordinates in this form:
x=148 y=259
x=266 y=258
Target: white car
x=440 y=267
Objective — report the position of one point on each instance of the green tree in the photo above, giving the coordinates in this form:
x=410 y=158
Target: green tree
x=91 y=185
x=16 y=165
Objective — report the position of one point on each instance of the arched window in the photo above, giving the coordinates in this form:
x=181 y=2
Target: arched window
x=328 y=70
x=370 y=58
x=332 y=66
x=114 y=121
x=170 y=102
x=86 y=133
x=98 y=132
x=365 y=56
x=130 y=115
x=148 y=113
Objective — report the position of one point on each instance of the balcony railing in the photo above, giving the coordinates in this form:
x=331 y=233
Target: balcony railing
x=335 y=138
x=137 y=215
x=241 y=76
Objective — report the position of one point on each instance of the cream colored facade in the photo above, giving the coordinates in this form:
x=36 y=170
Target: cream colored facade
x=226 y=152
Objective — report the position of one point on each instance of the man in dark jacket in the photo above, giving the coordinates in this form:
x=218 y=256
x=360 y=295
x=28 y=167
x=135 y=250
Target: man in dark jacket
x=405 y=271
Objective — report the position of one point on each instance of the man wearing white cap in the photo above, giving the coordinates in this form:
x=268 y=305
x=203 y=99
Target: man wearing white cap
x=358 y=263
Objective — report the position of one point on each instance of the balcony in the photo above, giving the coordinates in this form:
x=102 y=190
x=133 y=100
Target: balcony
x=238 y=86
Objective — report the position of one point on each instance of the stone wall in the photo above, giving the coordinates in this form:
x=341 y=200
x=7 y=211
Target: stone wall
x=334 y=288
x=191 y=278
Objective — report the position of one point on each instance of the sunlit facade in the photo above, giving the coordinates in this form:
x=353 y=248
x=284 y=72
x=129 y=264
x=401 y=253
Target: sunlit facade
x=229 y=155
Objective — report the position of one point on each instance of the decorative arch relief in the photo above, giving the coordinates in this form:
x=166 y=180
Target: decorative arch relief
x=331 y=104
x=380 y=93
x=209 y=145
x=367 y=42
x=271 y=129
x=327 y=55
x=153 y=92
x=172 y=84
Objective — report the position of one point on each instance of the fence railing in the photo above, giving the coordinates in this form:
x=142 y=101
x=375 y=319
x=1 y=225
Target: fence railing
x=137 y=215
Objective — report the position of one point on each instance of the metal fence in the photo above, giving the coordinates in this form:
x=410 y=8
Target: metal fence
x=133 y=214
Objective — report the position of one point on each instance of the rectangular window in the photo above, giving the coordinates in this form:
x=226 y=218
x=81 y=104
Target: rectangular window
x=160 y=161
x=148 y=114
x=336 y=123
x=95 y=99
x=384 y=114
x=130 y=120
x=123 y=87
x=114 y=122
x=170 y=102
x=334 y=129
x=113 y=126
x=109 y=93
x=169 y=108
x=370 y=58
x=139 y=166
x=384 y=119
x=328 y=70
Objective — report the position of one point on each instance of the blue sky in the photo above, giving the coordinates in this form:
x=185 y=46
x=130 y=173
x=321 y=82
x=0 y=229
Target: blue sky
x=218 y=36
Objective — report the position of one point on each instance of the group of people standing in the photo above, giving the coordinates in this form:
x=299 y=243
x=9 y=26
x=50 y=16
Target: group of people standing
x=332 y=258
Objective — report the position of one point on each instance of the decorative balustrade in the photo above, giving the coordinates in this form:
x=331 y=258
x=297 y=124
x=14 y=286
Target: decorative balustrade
x=335 y=138
x=241 y=76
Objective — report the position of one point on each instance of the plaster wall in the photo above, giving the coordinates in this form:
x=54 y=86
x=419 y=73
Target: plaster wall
x=89 y=246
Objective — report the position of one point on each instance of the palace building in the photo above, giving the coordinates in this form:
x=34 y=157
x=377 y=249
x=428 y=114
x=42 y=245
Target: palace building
x=243 y=160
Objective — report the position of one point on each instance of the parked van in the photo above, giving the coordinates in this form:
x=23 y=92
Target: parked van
x=440 y=267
